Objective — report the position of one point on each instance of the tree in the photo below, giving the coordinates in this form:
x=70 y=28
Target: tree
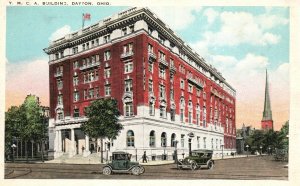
x=26 y=122
x=103 y=117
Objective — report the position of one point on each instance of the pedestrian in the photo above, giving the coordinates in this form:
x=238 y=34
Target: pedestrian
x=144 y=157
x=82 y=148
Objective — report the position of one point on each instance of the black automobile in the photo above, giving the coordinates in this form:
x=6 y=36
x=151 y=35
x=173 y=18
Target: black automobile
x=197 y=160
x=121 y=164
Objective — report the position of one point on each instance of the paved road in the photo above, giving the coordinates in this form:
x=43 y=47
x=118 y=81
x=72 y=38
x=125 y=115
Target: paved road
x=240 y=168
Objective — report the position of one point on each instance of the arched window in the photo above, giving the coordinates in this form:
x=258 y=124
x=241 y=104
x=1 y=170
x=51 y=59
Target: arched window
x=173 y=138
x=152 y=139
x=130 y=138
x=163 y=139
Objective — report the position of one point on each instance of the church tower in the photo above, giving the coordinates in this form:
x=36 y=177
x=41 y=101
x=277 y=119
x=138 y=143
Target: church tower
x=267 y=121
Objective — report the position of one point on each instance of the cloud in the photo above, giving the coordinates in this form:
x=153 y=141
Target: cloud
x=61 y=32
x=27 y=77
x=176 y=17
x=240 y=28
x=211 y=15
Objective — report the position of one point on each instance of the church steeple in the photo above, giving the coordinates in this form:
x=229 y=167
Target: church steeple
x=267 y=121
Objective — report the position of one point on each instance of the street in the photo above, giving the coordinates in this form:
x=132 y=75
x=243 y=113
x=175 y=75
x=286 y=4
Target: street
x=252 y=168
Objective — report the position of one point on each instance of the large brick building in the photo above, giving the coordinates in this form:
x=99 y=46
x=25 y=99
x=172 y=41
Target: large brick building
x=165 y=91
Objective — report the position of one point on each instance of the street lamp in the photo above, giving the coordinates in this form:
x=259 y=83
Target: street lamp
x=13 y=146
x=247 y=146
x=222 y=146
x=260 y=150
x=269 y=150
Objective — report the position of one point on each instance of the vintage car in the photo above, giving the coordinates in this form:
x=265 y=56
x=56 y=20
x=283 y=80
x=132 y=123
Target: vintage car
x=121 y=164
x=197 y=160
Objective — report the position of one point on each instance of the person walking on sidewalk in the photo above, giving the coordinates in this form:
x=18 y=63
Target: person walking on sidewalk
x=144 y=157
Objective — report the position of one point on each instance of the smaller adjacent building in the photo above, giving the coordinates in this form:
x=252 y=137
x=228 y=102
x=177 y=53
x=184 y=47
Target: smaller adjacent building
x=241 y=137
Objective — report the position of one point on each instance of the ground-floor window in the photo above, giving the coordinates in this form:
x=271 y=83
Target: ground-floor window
x=130 y=138
x=152 y=139
x=163 y=139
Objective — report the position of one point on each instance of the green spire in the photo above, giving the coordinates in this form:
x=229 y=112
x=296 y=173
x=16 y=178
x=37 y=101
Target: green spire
x=267 y=114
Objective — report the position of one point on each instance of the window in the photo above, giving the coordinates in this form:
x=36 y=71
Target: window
x=60 y=115
x=57 y=56
x=190 y=112
x=212 y=143
x=75 y=80
x=97 y=95
x=61 y=54
x=162 y=56
x=150 y=48
x=106 y=38
x=83 y=46
x=131 y=28
x=198 y=92
x=173 y=138
x=150 y=67
x=198 y=142
x=128 y=67
x=163 y=139
x=128 y=85
x=150 y=30
x=59 y=84
x=171 y=63
x=151 y=109
x=60 y=99
x=204 y=116
x=107 y=73
x=130 y=138
x=76 y=96
x=75 y=64
x=190 y=89
x=217 y=144
x=96 y=42
x=87 y=45
x=76 y=113
x=198 y=117
x=162 y=72
x=172 y=94
x=107 y=55
x=128 y=48
x=162 y=91
x=204 y=142
x=152 y=139
x=182 y=140
x=124 y=31
x=182 y=84
x=172 y=114
x=161 y=39
x=181 y=115
x=162 y=112
x=150 y=85
x=107 y=90
x=91 y=93
x=59 y=70
x=75 y=50
x=128 y=109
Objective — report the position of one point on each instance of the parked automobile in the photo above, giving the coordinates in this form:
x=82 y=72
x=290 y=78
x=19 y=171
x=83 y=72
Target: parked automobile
x=121 y=164
x=197 y=160
x=281 y=155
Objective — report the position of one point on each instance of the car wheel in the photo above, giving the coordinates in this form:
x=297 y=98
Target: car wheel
x=142 y=169
x=210 y=165
x=194 y=166
x=135 y=171
x=106 y=171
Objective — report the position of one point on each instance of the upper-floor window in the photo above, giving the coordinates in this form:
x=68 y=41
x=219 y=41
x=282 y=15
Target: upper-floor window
x=76 y=96
x=59 y=84
x=162 y=72
x=131 y=28
x=128 y=85
x=128 y=48
x=171 y=62
x=128 y=67
x=75 y=50
x=75 y=80
x=161 y=39
x=61 y=54
x=107 y=55
x=181 y=83
x=75 y=64
x=76 y=113
x=107 y=90
x=198 y=92
x=150 y=67
x=83 y=46
x=124 y=31
x=162 y=56
x=190 y=89
x=162 y=91
x=60 y=99
x=150 y=30
x=150 y=83
x=128 y=109
x=107 y=73
x=59 y=69
x=106 y=38
x=97 y=95
x=91 y=93
x=150 y=48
